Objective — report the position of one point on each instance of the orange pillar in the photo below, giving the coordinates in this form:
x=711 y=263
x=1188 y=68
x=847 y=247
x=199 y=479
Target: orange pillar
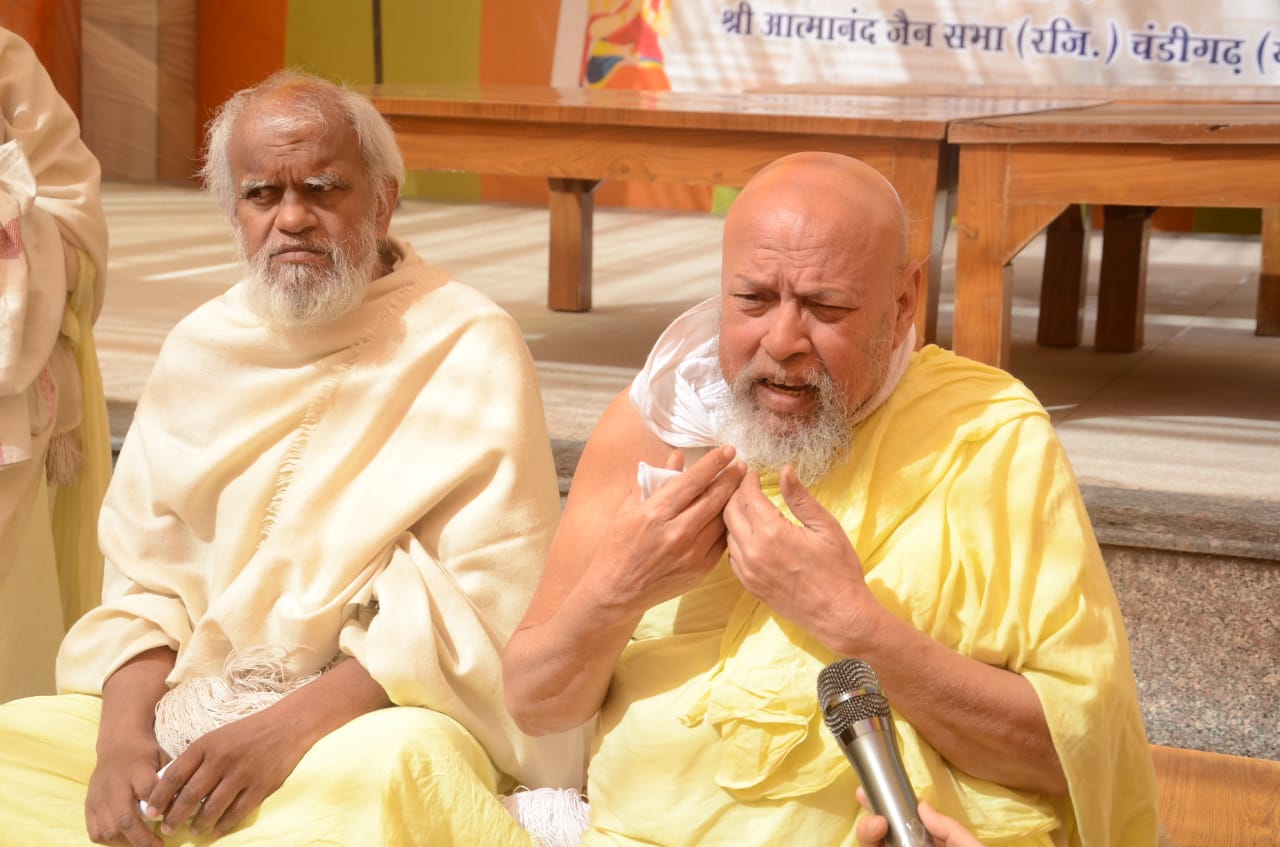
x=238 y=43
x=52 y=28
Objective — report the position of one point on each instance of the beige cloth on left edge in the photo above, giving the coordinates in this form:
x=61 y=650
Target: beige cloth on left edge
x=50 y=387
x=272 y=491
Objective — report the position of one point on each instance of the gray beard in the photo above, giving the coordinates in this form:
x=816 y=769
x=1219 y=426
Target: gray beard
x=296 y=296
x=810 y=444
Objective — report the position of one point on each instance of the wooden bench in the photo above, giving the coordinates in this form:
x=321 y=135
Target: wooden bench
x=1215 y=800
x=576 y=137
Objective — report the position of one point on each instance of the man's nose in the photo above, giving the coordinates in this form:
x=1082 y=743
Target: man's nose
x=294 y=214
x=786 y=335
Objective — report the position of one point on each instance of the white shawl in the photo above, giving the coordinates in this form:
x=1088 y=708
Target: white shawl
x=382 y=487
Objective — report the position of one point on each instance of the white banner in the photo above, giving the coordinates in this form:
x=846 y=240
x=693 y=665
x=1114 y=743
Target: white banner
x=732 y=46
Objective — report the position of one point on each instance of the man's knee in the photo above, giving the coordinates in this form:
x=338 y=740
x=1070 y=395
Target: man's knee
x=408 y=743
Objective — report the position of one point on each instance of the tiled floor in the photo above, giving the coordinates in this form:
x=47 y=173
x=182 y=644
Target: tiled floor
x=1177 y=446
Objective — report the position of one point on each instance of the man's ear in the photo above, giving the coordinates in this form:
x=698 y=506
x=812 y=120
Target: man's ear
x=907 y=299
x=391 y=194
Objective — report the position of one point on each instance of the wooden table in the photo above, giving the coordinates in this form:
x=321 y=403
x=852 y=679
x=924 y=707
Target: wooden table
x=576 y=137
x=1122 y=275
x=1018 y=173
x=1055 y=91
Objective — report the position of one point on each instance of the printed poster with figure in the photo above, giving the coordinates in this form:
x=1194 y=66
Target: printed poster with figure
x=735 y=45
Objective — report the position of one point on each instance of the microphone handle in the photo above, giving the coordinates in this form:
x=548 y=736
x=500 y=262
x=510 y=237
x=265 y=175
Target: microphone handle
x=875 y=758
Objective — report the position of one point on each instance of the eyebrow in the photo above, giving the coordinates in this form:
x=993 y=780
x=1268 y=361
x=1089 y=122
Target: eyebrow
x=252 y=185
x=328 y=179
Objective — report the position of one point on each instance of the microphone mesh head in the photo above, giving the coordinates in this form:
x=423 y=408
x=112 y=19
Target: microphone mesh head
x=848 y=692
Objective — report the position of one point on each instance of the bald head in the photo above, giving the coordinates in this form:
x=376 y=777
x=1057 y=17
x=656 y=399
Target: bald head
x=848 y=194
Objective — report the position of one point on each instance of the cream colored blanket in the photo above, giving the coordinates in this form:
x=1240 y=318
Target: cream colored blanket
x=48 y=195
x=53 y=253
x=382 y=487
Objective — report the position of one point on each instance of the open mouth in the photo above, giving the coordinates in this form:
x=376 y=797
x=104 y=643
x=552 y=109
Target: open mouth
x=786 y=388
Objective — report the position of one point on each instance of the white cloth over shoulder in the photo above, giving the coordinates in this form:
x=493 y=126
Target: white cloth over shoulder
x=680 y=393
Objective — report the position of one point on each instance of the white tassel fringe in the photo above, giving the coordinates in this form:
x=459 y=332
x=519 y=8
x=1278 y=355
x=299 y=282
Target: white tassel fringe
x=251 y=681
x=555 y=817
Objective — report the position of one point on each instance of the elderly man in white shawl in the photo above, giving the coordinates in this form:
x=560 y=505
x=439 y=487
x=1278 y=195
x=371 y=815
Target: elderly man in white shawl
x=55 y=449
x=329 y=514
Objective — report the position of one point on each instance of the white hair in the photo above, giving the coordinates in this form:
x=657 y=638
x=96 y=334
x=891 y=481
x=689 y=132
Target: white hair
x=315 y=102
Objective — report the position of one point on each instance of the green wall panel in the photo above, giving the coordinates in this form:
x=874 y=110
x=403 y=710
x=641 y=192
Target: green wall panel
x=331 y=38
x=421 y=41
x=431 y=40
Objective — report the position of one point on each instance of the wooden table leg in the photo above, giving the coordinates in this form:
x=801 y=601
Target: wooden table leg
x=1269 y=280
x=991 y=230
x=944 y=208
x=923 y=173
x=1063 y=281
x=569 y=256
x=984 y=279
x=1122 y=278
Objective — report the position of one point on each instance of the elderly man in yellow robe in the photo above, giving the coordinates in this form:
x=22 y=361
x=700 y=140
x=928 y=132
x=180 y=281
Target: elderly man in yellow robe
x=788 y=482
x=330 y=511
x=55 y=448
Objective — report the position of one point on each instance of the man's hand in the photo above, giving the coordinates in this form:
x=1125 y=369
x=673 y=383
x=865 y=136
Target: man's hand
x=126 y=771
x=226 y=774
x=658 y=548
x=872 y=830
x=128 y=755
x=808 y=573
x=614 y=557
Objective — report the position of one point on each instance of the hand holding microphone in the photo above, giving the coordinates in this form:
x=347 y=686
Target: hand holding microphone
x=946 y=832
x=857 y=713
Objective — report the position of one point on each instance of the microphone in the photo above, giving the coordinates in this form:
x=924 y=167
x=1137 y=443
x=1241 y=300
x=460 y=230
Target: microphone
x=857 y=714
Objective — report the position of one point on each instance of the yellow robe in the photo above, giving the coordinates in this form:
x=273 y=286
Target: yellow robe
x=50 y=386
x=965 y=511
x=383 y=488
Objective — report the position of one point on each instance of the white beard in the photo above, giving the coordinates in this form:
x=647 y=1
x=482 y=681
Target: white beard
x=811 y=444
x=297 y=296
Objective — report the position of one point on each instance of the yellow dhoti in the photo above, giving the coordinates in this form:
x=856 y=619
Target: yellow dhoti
x=394 y=776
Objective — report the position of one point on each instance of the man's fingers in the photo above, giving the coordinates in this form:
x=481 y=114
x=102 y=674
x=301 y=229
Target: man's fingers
x=184 y=806
x=872 y=830
x=215 y=808
x=115 y=816
x=236 y=812
x=124 y=826
x=697 y=477
x=181 y=789
x=702 y=491
x=802 y=504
